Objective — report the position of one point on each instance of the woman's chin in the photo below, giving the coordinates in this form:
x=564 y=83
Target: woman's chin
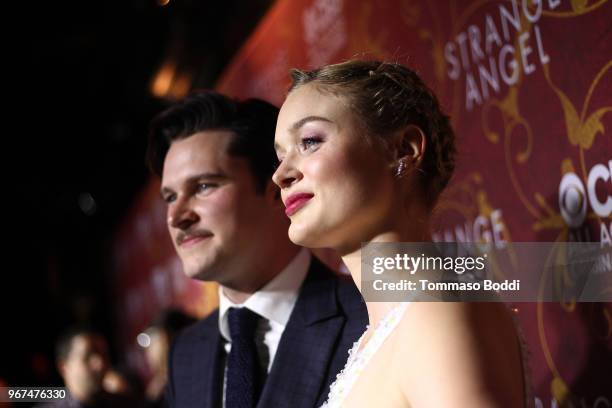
x=301 y=235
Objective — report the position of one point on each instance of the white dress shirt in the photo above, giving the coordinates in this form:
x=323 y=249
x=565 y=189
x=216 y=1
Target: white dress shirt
x=274 y=302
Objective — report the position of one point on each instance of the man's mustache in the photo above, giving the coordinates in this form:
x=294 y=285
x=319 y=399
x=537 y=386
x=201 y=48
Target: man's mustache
x=184 y=235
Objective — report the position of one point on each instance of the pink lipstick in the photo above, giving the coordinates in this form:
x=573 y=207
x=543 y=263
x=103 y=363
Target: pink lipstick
x=295 y=202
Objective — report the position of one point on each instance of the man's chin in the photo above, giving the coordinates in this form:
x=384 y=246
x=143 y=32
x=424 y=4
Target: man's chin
x=200 y=272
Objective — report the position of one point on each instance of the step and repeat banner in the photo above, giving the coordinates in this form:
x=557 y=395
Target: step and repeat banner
x=528 y=85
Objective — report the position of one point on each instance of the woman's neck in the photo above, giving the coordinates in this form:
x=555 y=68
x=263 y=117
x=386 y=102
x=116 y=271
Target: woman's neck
x=418 y=231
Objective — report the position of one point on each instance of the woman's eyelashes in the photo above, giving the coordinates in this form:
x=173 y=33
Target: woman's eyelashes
x=305 y=144
x=310 y=143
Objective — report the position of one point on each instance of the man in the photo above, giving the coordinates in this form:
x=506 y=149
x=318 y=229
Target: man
x=83 y=361
x=285 y=322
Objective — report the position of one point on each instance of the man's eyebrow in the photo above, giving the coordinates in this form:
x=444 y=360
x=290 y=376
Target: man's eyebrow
x=195 y=177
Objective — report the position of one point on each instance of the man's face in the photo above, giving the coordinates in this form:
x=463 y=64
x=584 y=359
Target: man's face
x=215 y=216
x=85 y=366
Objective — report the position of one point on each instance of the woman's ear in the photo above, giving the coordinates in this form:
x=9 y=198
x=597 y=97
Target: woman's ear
x=408 y=150
x=411 y=144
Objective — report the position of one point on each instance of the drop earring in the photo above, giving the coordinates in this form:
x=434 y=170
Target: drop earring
x=401 y=169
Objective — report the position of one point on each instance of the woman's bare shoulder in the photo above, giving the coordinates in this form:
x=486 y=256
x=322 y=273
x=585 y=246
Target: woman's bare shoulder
x=456 y=351
x=453 y=317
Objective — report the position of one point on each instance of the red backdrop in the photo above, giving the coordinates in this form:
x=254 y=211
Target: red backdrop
x=528 y=89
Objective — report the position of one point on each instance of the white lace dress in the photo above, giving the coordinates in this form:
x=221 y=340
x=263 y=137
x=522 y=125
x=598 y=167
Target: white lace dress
x=358 y=359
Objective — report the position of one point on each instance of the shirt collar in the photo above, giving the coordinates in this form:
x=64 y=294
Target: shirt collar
x=275 y=301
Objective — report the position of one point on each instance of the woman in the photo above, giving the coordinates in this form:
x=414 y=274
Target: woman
x=365 y=152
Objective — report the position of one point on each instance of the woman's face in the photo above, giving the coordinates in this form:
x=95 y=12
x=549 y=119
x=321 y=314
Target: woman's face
x=336 y=184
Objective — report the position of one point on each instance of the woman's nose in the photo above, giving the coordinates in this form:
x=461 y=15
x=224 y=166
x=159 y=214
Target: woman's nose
x=286 y=174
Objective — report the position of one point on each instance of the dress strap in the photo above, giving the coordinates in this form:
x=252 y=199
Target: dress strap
x=358 y=359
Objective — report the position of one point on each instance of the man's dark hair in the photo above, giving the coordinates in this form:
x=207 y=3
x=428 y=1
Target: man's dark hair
x=63 y=345
x=252 y=121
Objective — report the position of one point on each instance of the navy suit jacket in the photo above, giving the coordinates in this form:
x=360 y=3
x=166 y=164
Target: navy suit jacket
x=329 y=315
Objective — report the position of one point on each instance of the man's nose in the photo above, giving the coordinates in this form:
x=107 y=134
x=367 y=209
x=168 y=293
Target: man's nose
x=286 y=174
x=181 y=215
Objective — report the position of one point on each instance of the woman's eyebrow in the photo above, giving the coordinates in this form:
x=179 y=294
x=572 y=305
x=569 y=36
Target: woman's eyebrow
x=297 y=125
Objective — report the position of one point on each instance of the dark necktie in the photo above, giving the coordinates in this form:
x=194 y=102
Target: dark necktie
x=243 y=382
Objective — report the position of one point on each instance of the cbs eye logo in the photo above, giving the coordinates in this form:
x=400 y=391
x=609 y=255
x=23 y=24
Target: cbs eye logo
x=573 y=196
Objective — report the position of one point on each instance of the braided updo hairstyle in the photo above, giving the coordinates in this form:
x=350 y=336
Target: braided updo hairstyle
x=388 y=97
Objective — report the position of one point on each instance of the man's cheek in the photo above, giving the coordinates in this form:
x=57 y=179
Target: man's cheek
x=222 y=202
x=227 y=210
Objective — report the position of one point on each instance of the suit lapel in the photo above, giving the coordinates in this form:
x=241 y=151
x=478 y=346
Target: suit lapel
x=205 y=376
x=300 y=368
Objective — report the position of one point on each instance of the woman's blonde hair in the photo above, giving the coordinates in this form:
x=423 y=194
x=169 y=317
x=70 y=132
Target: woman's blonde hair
x=388 y=97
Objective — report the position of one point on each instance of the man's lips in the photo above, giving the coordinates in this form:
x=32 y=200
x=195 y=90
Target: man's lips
x=296 y=201
x=189 y=240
